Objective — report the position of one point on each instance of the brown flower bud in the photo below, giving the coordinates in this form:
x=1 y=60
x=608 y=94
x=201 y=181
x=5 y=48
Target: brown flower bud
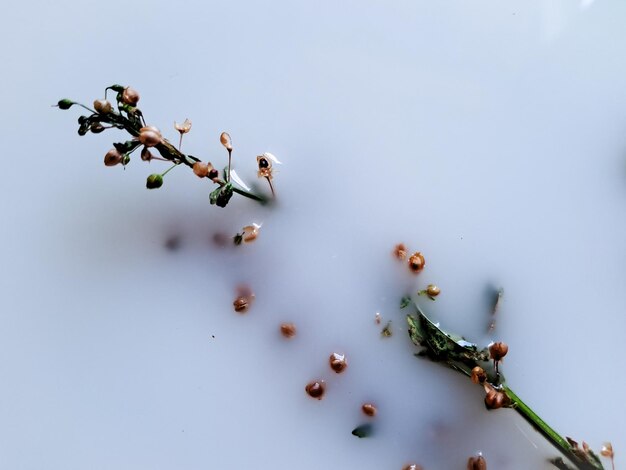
x=477 y=462
x=338 y=362
x=369 y=409
x=495 y=399
x=130 y=96
x=400 y=251
x=102 y=106
x=498 y=350
x=316 y=389
x=417 y=262
x=226 y=142
x=478 y=375
x=146 y=155
x=150 y=136
x=288 y=330
x=112 y=157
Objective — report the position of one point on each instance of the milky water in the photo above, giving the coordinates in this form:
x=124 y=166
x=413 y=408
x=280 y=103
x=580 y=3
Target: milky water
x=490 y=137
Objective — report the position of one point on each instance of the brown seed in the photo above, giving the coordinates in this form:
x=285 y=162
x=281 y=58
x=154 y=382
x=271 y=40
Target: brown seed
x=417 y=262
x=478 y=375
x=288 y=330
x=316 y=389
x=498 y=350
x=477 y=462
x=146 y=155
x=369 y=409
x=400 y=251
x=432 y=290
x=338 y=362
x=412 y=466
x=102 y=106
x=241 y=304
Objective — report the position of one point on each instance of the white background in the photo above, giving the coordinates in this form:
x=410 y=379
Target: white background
x=488 y=135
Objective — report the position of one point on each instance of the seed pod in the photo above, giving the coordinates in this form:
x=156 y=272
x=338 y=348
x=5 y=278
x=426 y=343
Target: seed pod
x=369 y=409
x=146 y=155
x=102 y=106
x=417 y=262
x=241 y=304
x=288 y=330
x=201 y=169
x=477 y=462
x=338 y=362
x=112 y=158
x=154 y=181
x=226 y=142
x=316 y=389
x=130 y=96
x=65 y=104
x=150 y=136
x=432 y=290
x=96 y=127
x=478 y=375
x=498 y=350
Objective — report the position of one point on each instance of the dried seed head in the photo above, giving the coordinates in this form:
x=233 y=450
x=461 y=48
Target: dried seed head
x=432 y=290
x=288 y=330
x=498 y=350
x=338 y=362
x=102 y=106
x=417 y=262
x=146 y=155
x=477 y=462
x=150 y=136
x=241 y=304
x=400 y=251
x=412 y=466
x=316 y=389
x=201 y=169
x=369 y=409
x=130 y=96
x=226 y=142
x=112 y=157
x=478 y=375
x=607 y=450
x=184 y=127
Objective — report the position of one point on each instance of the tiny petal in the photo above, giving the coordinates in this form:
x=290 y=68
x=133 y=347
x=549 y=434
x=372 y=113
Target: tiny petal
x=184 y=127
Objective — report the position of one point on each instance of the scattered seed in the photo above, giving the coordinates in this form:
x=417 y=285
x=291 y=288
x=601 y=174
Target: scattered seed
x=316 y=389
x=478 y=375
x=369 y=409
x=377 y=318
x=338 y=362
x=386 y=331
x=417 y=262
x=477 y=462
x=241 y=304
x=400 y=251
x=288 y=330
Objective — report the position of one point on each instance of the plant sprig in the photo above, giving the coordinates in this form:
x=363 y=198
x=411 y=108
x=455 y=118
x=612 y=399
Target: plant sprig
x=456 y=353
x=127 y=116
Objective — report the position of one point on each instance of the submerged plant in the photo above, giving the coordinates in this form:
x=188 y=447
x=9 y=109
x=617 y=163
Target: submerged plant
x=481 y=366
x=125 y=115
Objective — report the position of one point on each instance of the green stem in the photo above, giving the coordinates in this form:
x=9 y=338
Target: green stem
x=169 y=169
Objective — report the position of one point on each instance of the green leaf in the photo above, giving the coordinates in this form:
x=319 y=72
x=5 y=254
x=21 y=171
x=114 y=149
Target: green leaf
x=221 y=195
x=364 y=430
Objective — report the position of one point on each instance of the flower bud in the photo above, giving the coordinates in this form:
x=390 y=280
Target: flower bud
x=417 y=262
x=102 y=106
x=432 y=290
x=150 y=136
x=478 y=375
x=477 y=462
x=112 y=158
x=65 y=104
x=130 y=96
x=154 y=181
x=498 y=350
x=226 y=142
x=495 y=399
x=369 y=409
